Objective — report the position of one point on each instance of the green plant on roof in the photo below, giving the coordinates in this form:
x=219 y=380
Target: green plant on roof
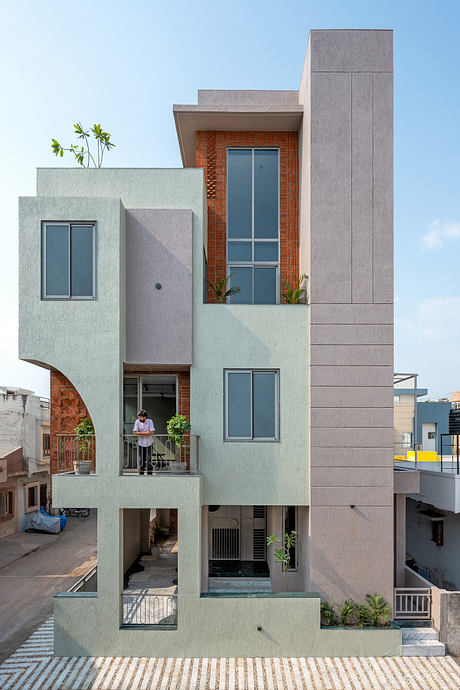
x=83 y=153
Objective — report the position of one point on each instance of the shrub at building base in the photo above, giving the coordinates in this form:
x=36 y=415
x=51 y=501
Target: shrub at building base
x=374 y=613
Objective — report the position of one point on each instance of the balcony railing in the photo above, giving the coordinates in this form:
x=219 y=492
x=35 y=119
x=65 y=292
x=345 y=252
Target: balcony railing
x=87 y=583
x=412 y=604
x=149 y=609
x=76 y=453
x=166 y=455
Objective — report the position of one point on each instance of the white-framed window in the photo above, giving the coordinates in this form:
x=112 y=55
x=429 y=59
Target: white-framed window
x=253 y=222
x=251 y=405
x=32 y=497
x=68 y=260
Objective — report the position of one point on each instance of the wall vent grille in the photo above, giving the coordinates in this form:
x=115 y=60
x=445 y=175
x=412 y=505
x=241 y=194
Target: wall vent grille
x=225 y=543
x=259 y=552
x=258 y=511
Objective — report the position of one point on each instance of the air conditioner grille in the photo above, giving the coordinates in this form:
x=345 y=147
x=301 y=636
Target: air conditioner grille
x=258 y=545
x=225 y=543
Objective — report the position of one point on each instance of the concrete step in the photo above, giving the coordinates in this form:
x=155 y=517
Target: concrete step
x=224 y=585
x=423 y=648
x=410 y=635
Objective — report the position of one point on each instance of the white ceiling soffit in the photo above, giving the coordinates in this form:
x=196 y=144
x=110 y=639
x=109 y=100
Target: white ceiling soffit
x=190 y=119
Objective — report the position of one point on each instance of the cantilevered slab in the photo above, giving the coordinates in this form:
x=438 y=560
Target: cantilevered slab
x=237 y=111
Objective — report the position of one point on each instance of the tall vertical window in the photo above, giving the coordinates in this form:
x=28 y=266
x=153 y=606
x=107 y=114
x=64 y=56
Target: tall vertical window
x=68 y=261
x=251 y=405
x=253 y=224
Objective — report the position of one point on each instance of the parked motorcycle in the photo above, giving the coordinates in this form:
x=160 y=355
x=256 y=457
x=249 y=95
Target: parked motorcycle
x=76 y=512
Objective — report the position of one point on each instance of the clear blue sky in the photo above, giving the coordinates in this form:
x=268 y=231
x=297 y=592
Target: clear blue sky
x=125 y=63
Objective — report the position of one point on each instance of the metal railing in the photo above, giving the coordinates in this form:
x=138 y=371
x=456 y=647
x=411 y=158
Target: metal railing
x=412 y=603
x=73 y=451
x=87 y=583
x=450 y=453
x=149 y=609
x=166 y=455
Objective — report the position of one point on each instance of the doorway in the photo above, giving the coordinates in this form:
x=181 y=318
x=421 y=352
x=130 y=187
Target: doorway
x=155 y=393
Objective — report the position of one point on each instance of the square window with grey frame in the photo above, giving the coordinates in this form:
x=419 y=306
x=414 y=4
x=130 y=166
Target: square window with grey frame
x=251 y=405
x=253 y=211
x=68 y=260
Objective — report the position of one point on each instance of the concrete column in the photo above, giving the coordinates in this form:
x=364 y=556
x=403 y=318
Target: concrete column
x=347 y=248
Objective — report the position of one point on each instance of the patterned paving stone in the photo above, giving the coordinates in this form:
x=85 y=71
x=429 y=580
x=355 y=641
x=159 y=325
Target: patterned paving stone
x=33 y=667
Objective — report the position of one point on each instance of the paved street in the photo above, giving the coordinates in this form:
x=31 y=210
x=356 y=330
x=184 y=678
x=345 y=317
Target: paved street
x=33 y=567
x=33 y=666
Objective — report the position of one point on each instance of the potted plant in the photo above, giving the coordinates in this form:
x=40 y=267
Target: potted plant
x=85 y=440
x=298 y=293
x=219 y=289
x=177 y=427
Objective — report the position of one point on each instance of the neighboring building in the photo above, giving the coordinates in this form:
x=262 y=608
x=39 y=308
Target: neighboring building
x=291 y=405
x=432 y=421
x=24 y=456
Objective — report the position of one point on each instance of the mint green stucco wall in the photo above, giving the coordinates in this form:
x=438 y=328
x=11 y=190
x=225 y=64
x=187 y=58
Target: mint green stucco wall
x=84 y=339
x=257 y=337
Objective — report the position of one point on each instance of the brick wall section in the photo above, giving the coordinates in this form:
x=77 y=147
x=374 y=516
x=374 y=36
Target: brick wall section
x=67 y=409
x=184 y=393
x=211 y=150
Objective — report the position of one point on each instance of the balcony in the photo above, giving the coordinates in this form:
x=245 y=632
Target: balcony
x=76 y=454
x=165 y=456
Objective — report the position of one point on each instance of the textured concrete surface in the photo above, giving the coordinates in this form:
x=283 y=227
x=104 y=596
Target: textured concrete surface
x=33 y=665
x=33 y=567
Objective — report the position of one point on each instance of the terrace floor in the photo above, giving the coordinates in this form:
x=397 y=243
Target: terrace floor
x=34 y=666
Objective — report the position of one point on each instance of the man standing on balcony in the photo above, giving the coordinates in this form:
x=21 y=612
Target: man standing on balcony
x=144 y=429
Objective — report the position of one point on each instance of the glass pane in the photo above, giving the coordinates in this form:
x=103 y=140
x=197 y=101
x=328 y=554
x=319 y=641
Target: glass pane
x=57 y=260
x=265 y=286
x=239 y=405
x=82 y=260
x=239 y=251
x=130 y=408
x=239 y=193
x=265 y=251
x=266 y=192
x=264 y=405
x=242 y=279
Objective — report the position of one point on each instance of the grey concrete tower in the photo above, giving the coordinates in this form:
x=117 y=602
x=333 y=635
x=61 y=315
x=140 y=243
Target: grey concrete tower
x=347 y=250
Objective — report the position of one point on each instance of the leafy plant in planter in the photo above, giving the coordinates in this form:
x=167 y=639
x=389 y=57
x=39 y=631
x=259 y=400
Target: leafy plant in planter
x=363 y=615
x=85 y=439
x=327 y=613
x=282 y=555
x=379 y=609
x=298 y=293
x=219 y=289
x=177 y=427
x=346 y=610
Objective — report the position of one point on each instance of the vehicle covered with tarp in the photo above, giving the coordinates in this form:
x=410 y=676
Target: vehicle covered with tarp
x=41 y=522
